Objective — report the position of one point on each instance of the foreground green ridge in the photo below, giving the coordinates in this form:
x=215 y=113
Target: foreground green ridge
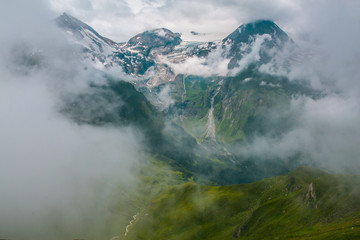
x=305 y=204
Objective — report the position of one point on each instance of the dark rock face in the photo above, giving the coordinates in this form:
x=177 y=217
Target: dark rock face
x=246 y=32
x=243 y=40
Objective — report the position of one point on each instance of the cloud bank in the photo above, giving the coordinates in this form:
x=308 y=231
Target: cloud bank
x=326 y=133
x=58 y=178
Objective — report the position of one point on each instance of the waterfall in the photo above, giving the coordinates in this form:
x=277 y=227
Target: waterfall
x=183 y=97
x=211 y=129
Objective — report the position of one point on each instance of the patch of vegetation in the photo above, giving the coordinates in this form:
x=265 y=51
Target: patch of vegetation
x=305 y=204
x=251 y=103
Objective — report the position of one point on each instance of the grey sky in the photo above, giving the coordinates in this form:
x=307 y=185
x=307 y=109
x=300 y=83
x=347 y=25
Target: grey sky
x=121 y=19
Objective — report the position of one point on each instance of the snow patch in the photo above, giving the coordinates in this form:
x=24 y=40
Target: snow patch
x=160 y=32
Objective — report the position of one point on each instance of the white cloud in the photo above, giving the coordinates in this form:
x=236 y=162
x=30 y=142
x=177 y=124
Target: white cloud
x=213 y=64
x=165 y=98
x=327 y=135
x=54 y=172
x=252 y=56
x=50 y=163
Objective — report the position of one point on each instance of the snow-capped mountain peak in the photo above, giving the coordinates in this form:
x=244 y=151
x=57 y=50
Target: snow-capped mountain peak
x=260 y=27
x=161 y=51
x=85 y=35
x=156 y=38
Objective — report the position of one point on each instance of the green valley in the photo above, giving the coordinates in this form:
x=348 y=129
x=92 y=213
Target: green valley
x=305 y=204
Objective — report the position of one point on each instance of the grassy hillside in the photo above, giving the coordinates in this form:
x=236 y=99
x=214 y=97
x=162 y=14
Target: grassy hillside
x=248 y=104
x=116 y=103
x=304 y=204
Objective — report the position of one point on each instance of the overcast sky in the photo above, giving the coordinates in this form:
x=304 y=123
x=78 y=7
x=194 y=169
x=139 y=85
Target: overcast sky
x=122 y=19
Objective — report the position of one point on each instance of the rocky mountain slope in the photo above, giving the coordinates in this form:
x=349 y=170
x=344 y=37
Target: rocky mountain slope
x=196 y=103
x=204 y=109
x=205 y=102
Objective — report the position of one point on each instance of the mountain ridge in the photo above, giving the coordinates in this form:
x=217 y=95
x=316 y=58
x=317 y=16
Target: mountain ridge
x=232 y=108
x=164 y=42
